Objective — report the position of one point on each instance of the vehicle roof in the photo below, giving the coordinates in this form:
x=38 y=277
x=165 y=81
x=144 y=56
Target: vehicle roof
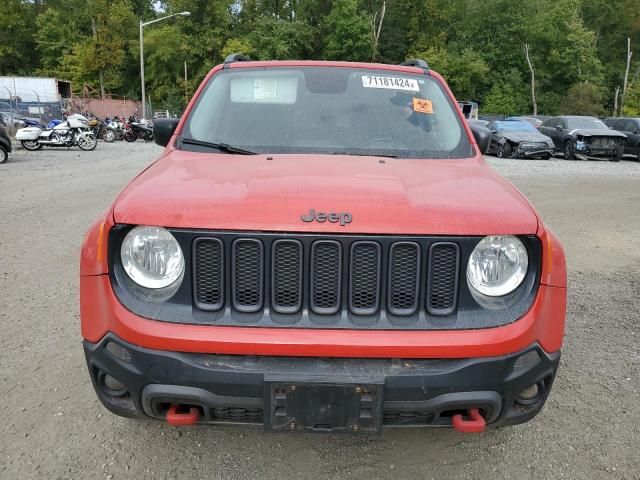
x=323 y=63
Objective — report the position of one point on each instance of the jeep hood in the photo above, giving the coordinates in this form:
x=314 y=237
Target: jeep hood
x=271 y=193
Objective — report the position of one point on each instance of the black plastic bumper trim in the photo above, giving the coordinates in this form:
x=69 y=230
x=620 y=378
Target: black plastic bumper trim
x=431 y=389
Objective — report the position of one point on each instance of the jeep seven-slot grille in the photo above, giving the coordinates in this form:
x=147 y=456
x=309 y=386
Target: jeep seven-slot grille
x=443 y=279
x=326 y=276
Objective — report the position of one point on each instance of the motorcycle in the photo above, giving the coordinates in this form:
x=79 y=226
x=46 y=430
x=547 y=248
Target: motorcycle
x=74 y=131
x=138 y=129
x=101 y=130
x=117 y=127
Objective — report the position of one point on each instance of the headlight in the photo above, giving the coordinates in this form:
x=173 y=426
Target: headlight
x=152 y=257
x=497 y=265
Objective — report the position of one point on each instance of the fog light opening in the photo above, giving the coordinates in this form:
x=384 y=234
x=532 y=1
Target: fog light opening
x=530 y=395
x=111 y=385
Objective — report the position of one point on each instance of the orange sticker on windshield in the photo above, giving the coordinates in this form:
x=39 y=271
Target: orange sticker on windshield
x=421 y=105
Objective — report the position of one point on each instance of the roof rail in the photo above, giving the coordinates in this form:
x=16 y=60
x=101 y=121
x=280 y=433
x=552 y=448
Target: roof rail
x=236 y=57
x=415 y=62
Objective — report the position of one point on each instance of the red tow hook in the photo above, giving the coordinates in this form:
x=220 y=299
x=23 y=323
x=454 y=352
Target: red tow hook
x=177 y=419
x=474 y=424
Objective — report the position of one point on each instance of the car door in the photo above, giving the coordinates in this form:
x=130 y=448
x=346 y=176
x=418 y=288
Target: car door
x=632 y=131
x=548 y=128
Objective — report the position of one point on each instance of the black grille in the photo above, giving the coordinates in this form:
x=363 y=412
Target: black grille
x=286 y=276
x=209 y=274
x=326 y=275
x=444 y=260
x=365 y=278
x=311 y=281
x=236 y=415
x=247 y=275
x=404 y=268
x=391 y=417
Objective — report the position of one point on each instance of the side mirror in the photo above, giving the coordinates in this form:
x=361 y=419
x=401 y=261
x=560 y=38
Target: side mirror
x=163 y=129
x=482 y=136
x=559 y=128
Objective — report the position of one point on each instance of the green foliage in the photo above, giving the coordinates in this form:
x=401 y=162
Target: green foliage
x=349 y=34
x=632 y=100
x=583 y=98
x=508 y=96
x=280 y=39
x=466 y=71
x=577 y=47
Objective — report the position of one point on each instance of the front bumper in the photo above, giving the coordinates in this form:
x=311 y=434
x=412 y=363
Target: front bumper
x=526 y=152
x=236 y=389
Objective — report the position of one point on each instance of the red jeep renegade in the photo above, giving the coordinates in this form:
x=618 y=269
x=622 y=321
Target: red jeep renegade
x=322 y=247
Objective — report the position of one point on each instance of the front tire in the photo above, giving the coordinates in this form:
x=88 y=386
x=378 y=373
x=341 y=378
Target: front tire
x=618 y=155
x=568 y=150
x=109 y=136
x=87 y=142
x=31 y=145
x=505 y=150
x=4 y=155
x=130 y=137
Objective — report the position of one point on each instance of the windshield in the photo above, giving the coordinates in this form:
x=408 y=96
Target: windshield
x=515 y=126
x=327 y=110
x=585 y=122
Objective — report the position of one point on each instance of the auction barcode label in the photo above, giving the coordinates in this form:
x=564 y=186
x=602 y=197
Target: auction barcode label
x=394 y=83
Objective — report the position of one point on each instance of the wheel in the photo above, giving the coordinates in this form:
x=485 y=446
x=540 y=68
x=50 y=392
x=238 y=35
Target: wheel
x=638 y=152
x=109 y=136
x=4 y=155
x=546 y=156
x=618 y=155
x=504 y=150
x=87 y=142
x=568 y=150
x=130 y=136
x=31 y=145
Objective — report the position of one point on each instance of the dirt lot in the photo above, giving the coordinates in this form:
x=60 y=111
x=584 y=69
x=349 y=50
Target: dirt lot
x=54 y=426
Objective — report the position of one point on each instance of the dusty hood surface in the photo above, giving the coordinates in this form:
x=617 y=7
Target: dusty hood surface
x=271 y=193
x=527 y=137
x=597 y=132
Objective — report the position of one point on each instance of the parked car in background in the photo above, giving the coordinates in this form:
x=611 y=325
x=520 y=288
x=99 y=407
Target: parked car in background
x=513 y=138
x=478 y=123
x=631 y=128
x=535 y=121
x=584 y=138
x=5 y=145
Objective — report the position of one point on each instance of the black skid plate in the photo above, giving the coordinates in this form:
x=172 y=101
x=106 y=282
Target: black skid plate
x=318 y=405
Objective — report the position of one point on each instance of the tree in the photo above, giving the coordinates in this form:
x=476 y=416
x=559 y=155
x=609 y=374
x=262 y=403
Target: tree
x=349 y=33
x=465 y=71
x=583 y=98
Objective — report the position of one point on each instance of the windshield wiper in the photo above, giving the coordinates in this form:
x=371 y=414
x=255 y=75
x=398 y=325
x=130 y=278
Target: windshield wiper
x=385 y=155
x=223 y=147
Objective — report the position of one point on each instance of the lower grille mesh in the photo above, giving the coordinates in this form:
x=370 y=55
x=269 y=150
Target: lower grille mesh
x=209 y=274
x=403 y=278
x=287 y=276
x=365 y=278
x=443 y=278
x=326 y=273
x=247 y=275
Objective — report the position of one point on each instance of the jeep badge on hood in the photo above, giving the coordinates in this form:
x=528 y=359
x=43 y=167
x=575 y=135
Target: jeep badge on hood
x=321 y=217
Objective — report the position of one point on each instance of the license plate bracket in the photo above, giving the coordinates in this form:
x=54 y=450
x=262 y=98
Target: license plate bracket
x=325 y=406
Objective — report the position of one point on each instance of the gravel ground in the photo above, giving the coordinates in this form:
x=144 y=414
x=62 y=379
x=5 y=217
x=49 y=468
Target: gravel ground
x=54 y=426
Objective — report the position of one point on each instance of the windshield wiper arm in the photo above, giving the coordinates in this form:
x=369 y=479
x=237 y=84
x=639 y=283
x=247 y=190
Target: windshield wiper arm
x=223 y=147
x=385 y=155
